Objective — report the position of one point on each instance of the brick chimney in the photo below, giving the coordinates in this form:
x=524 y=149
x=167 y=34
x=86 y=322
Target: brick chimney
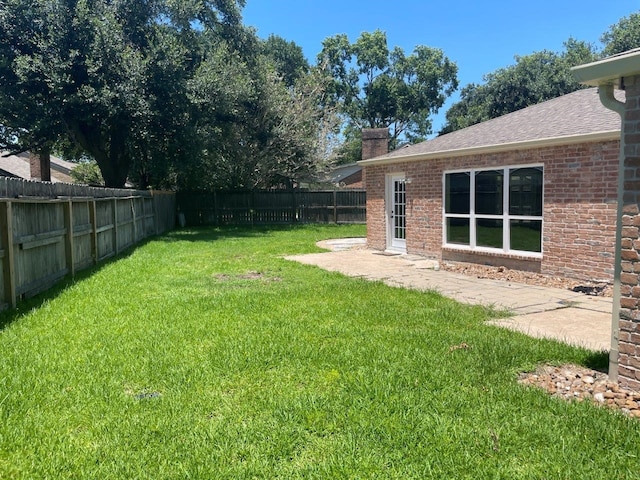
x=375 y=142
x=40 y=165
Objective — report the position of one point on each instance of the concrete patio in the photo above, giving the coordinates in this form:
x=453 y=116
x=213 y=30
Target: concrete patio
x=564 y=315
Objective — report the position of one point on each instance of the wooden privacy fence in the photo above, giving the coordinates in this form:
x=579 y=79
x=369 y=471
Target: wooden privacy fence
x=267 y=207
x=44 y=239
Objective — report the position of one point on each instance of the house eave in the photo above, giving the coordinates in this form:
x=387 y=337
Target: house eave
x=503 y=147
x=609 y=71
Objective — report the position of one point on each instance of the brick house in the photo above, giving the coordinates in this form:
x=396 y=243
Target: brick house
x=28 y=166
x=533 y=190
x=622 y=72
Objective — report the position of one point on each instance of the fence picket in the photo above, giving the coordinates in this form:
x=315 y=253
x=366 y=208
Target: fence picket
x=265 y=207
x=50 y=230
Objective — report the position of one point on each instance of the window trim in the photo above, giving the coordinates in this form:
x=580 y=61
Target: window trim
x=506 y=217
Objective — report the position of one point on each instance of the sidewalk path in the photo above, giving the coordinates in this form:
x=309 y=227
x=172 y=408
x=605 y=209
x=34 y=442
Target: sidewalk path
x=567 y=316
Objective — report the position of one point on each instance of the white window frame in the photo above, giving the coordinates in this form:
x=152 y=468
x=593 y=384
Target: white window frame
x=505 y=217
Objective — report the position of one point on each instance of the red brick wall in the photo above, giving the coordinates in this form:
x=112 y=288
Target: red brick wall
x=40 y=165
x=353 y=181
x=374 y=183
x=375 y=142
x=629 y=334
x=580 y=183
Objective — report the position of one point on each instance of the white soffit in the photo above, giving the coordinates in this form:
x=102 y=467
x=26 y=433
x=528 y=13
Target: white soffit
x=610 y=71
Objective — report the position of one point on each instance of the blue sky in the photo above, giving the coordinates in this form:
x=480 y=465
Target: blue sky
x=480 y=36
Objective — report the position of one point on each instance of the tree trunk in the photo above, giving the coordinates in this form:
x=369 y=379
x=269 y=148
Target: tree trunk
x=112 y=172
x=107 y=145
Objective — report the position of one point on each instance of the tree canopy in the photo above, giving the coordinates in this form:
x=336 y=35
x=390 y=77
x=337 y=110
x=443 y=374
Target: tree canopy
x=532 y=79
x=168 y=93
x=158 y=92
x=375 y=86
x=622 y=36
x=105 y=75
x=286 y=58
x=537 y=77
x=274 y=136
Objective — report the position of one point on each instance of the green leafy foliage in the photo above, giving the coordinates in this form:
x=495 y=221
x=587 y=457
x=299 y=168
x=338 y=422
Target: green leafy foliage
x=377 y=87
x=105 y=75
x=87 y=173
x=622 y=36
x=162 y=93
x=532 y=79
x=286 y=57
x=257 y=131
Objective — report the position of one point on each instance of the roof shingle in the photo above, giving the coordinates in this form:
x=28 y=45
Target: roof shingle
x=18 y=166
x=576 y=114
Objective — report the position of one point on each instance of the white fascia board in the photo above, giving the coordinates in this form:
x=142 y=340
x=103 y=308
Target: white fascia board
x=610 y=70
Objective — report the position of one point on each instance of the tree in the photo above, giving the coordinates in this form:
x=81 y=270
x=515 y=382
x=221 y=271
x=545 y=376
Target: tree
x=273 y=135
x=376 y=87
x=161 y=93
x=532 y=79
x=87 y=173
x=286 y=57
x=304 y=129
x=92 y=71
x=623 y=36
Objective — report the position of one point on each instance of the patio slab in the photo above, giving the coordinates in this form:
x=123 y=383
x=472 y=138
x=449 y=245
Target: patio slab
x=538 y=311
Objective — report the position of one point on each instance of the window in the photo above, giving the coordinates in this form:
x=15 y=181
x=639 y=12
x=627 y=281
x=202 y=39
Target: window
x=497 y=209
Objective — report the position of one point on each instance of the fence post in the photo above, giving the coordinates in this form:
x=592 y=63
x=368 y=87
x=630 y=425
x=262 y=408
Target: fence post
x=294 y=208
x=8 y=263
x=215 y=210
x=150 y=210
x=68 y=242
x=132 y=203
x=252 y=206
x=155 y=210
x=335 y=206
x=116 y=250
x=93 y=219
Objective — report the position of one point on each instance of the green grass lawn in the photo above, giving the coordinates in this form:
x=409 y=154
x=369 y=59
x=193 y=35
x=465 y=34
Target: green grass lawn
x=204 y=354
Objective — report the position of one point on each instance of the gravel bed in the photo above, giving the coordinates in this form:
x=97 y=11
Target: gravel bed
x=529 y=278
x=575 y=383
x=570 y=382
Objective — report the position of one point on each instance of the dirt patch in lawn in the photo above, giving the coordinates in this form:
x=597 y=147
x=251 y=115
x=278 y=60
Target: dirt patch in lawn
x=251 y=275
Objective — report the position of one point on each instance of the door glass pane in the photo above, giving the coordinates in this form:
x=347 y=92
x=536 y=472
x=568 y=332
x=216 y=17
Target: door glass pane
x=526 y=235
x=489 y=192
x=489 y=233
x=525 y=191
x=457 y=192
x=399 y=209
x=458 y=231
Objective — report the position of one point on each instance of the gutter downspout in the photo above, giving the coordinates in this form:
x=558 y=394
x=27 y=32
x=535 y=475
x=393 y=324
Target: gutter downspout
x=609 y=100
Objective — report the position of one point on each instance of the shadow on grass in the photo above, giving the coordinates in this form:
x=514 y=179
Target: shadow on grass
x=598 y=361
x=191 y=234
x=30 y=303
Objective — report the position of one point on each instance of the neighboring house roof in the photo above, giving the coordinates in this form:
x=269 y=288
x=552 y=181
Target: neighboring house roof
x=573 y=118
x=18 y=166
x=337 y=175
x=342 y=172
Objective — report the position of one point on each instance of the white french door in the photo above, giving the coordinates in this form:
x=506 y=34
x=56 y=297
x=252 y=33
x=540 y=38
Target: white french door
x=396 y=212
